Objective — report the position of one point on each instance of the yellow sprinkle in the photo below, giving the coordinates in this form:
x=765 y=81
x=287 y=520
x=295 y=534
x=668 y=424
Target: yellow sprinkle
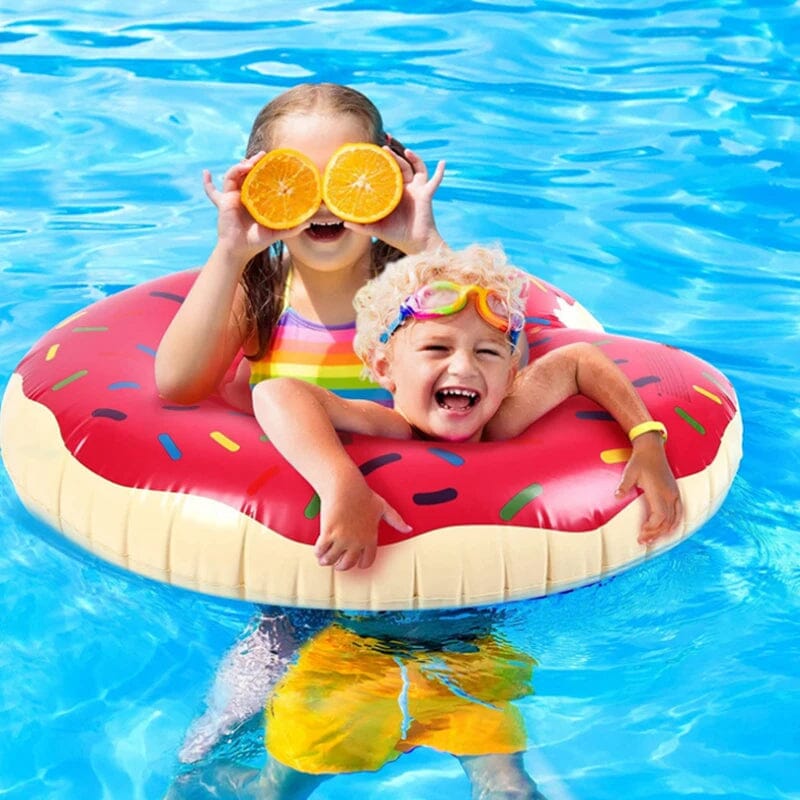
x=706 y=393
x=537 y=283
x=70 y=319
x=51 y=353
x=224 y=441
x=616 y=456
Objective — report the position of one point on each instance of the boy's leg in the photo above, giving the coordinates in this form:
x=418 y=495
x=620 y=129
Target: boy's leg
x=246 y=676
x=279 y=782
x=499 y=776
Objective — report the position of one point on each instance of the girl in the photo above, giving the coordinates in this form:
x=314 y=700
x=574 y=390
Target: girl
x=265 y=293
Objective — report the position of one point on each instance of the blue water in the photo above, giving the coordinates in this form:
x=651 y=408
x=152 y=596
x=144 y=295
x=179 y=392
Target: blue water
x=643 y=155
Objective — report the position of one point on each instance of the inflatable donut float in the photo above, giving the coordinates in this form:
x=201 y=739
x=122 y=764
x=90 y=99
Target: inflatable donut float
x=195 y=496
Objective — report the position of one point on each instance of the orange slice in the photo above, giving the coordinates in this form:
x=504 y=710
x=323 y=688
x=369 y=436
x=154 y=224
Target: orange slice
x=362 y=183
x=283 y=189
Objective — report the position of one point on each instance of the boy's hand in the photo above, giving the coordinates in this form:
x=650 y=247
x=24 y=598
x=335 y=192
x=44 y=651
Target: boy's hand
x=349 y=521
x=649 y=470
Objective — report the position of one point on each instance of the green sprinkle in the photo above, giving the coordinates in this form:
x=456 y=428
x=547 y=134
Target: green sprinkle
x=312 y=509
x=519 y=501
x=691 y=420
x=69 y=379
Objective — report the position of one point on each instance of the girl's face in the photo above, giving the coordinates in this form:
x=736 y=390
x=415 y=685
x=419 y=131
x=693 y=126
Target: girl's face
x=324 y=242
x=448 y=375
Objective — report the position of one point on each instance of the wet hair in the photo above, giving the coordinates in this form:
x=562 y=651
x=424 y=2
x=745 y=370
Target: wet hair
x=264 y=277
x=377 y=303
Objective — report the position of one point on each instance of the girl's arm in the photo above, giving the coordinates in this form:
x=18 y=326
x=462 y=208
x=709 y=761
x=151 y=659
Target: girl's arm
x=301 y=420
x=411 y=227
x=211 y=325
x=584 y=369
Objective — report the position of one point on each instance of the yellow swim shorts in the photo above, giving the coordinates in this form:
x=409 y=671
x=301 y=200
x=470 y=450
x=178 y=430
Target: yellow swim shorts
x=352 y=703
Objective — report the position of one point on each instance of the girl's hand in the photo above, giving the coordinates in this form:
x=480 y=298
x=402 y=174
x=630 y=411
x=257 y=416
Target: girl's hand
x=649 y=470
x=235 y=226
x=410 y=227
x=349 y=526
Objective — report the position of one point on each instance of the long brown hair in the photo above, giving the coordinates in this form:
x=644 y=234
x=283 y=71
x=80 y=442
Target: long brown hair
x=264 y=277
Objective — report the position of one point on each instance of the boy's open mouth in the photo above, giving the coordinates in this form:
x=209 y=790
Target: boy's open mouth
x=456 y=399
x=325 y=231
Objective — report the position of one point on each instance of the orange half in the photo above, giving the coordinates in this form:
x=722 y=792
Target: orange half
x=283 y=189
x=362 y=183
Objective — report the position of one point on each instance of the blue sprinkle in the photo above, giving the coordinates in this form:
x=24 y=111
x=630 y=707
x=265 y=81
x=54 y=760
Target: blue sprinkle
x=451 y=458
x=538 y=321
x=169 y=445
x=123 y=385
x=540 y=342
x=145 y=349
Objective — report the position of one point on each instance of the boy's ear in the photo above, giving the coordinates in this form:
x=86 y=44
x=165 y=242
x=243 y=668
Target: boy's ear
x=381 y=366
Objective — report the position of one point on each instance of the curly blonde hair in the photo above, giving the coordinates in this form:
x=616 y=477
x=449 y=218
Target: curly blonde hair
x=378 y=302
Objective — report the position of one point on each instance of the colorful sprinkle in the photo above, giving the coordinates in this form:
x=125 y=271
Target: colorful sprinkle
x=51 y=353
x=538 y=321
x=180 y=408
x=312 y=509
x=519 y=501
x=686 y=417
x=713 y=380
x=434 y=498
x=379 y=461
x=616 y=456
x=173 y=451
x=603 y=416
x=537 y=283
x=145 y=349
x=69 y=319
x=110 y=413
x=90 y=329
x=644 y=381
x=706 y=393
x=223 y=441
x=451 y=458
x=70 y=378
x=168 y=296
x=540 y=342
x=262 y=479
x=113 y=387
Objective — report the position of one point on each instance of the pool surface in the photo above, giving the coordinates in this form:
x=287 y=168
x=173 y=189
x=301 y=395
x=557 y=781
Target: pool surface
x=643 y=156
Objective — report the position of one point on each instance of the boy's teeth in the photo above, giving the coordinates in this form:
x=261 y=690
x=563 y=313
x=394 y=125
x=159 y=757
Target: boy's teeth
x=456 y=399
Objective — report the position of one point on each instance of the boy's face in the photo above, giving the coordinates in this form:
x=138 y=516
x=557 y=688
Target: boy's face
x=448 y=375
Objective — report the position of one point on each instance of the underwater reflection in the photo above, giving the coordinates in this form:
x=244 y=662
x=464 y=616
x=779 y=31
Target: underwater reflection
x=349 y=693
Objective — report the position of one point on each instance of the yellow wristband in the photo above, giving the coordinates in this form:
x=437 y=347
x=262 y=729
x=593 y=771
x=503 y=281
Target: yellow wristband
x=646 y=427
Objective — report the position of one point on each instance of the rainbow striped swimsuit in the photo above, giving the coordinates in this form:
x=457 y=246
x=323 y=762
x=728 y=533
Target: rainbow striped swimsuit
x=318 y=354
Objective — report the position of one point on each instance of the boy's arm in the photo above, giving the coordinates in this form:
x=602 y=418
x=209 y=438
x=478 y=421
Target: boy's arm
x=584 y=369
x=301 y=420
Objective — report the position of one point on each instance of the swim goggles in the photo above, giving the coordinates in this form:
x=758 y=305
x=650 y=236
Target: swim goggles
x=443 y=298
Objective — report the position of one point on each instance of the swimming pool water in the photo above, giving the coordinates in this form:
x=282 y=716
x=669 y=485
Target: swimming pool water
x=641 y=155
